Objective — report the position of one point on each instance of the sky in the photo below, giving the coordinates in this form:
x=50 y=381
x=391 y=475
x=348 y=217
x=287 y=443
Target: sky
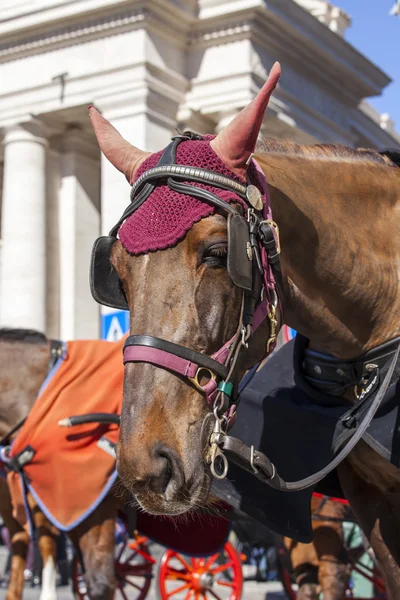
x=377 y=35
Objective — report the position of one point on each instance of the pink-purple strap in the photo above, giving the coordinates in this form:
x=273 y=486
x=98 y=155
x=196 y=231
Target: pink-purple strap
x=161 y=358
x=170 y=361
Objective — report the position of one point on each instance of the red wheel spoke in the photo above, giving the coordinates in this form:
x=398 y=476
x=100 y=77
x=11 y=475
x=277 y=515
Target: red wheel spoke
x=222 y=568
x=123 y=546
x=194 y=563
x=133 y=584
x=176 y=574
x=179 y=589
x=211 y=560
x=125 y=597
x=184 y=563
x=130 y=557
x=189 y=595
x=225 y=583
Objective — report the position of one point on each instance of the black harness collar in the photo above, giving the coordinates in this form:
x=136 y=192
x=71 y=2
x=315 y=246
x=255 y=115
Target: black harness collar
x=335 y=376
x=355 y=422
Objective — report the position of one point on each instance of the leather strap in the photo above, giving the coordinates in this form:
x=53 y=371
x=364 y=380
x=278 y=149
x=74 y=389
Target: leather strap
x=189 y=173
x=189 y=356
x=17 y=463
x=202 y=194
x=333 y=375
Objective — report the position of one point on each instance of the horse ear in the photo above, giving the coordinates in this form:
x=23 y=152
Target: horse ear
x=236 y=143
x=125 y=157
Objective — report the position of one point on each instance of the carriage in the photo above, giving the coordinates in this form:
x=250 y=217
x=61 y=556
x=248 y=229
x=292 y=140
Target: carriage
x=220 y=575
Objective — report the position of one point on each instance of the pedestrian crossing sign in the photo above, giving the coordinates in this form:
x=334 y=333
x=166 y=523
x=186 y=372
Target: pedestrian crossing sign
x=114 y=325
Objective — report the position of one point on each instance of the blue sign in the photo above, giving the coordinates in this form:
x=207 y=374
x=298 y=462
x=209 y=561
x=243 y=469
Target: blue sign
x=288 y=333
x=114 y=325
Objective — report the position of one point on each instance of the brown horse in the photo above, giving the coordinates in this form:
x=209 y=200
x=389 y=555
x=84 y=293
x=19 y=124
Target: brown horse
x=24 y=358
x=322 y=566
x=337 y=210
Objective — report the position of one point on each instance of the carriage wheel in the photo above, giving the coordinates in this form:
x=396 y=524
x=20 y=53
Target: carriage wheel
x=133 y=570
x=288 y=583
x=217 y=577
x=371 y=574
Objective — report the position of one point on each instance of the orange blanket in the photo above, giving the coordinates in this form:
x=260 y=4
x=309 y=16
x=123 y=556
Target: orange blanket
x=72 y=468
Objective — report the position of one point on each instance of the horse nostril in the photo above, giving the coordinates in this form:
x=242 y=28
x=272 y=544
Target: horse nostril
x=168 y=476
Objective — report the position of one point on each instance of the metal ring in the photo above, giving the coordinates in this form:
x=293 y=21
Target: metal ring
x=195 y=379
x=226 y=467
x=252 y=460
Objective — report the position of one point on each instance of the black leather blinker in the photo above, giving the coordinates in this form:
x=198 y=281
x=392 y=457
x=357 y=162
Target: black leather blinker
x=239 y=261
x=105 y=284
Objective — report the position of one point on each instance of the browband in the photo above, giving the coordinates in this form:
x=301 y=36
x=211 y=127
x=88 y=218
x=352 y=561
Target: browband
x=189 y=173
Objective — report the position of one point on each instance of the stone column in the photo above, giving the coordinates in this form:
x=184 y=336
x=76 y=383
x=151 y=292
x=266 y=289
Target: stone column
x=23 y=273
x=147 y=133
x=53 y=243
x=79 y=226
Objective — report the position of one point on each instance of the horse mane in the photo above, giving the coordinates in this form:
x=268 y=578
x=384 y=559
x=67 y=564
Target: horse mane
x=389 y=158
x=28 y=336
x=393 y=155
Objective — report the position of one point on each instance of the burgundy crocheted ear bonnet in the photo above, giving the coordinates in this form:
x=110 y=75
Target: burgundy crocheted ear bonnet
x=166 y=216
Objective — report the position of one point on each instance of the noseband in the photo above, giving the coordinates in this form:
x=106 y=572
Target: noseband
x=252 y=263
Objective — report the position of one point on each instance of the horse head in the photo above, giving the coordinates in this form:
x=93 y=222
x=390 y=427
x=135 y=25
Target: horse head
x=186 y=263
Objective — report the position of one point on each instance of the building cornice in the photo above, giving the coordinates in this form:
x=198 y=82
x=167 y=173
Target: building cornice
x=267 y=22
x=365 y=121
x=312 y=44
x=52 y=14
x=119 y=17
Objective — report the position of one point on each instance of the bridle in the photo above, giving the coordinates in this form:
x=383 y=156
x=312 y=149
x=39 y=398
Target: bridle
x=253 y=265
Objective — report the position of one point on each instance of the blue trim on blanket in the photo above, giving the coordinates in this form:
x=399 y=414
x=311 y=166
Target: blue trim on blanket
x=84 y=516
x=54 y=370
x=3 y=461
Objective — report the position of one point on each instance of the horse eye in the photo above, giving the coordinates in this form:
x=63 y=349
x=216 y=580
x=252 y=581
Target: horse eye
x=216 y=255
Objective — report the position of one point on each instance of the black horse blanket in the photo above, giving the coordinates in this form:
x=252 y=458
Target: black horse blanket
x=300 y=430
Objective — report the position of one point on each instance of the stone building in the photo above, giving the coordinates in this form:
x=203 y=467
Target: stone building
x=149 y=66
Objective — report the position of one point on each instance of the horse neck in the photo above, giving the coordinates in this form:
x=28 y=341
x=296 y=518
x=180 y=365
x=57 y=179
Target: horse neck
x=340 y=249
x=23 y=368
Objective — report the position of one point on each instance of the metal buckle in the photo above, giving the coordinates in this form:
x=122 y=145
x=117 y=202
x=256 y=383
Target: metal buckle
x=252 y=460
x=273 y=334
x=255 y=469
x=275 y=226
x=195 y=379
x=216 y=454
x=246 y=334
